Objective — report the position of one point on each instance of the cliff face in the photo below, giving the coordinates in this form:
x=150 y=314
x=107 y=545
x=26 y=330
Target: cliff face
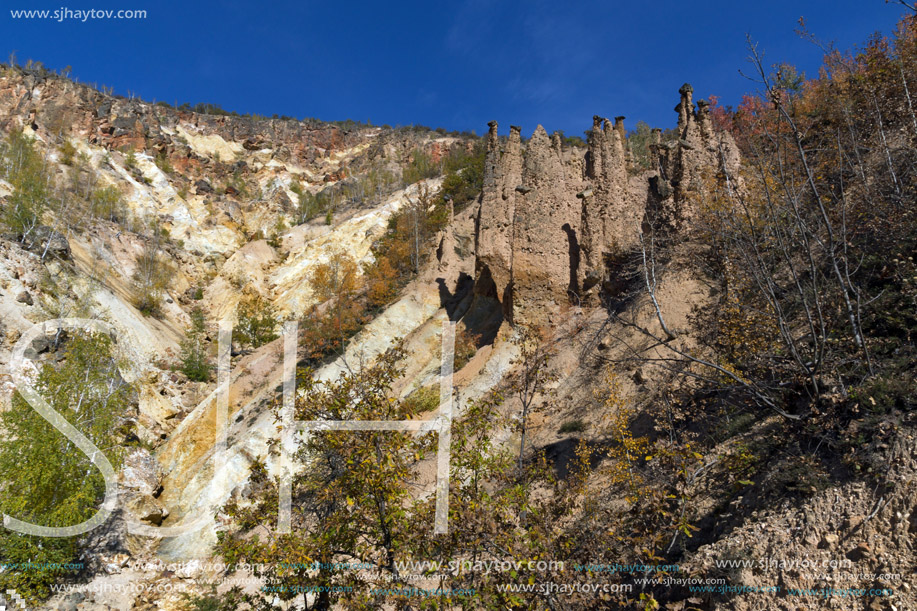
x=48 y=102
x=551 y=217
x=222 y=188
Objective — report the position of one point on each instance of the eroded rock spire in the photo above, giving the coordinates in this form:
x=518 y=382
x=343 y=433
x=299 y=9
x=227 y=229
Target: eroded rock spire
x=552 y=219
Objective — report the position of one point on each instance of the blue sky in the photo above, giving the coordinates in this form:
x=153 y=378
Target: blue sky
x=453 y=64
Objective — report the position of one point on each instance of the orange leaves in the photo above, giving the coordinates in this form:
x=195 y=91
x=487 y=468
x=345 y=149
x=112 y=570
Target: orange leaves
x=381 y=282
x=338 y=278
x=745 y=327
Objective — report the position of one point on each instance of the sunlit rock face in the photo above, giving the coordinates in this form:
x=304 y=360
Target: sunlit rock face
x=222 y=190
x=551 y=217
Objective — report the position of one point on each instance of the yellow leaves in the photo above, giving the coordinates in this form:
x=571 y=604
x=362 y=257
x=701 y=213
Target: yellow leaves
x=745 y=327
x=626 y=450
x=338 y=278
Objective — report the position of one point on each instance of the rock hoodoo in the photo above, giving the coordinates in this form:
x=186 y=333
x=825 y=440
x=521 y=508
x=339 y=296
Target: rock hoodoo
x=551 y=217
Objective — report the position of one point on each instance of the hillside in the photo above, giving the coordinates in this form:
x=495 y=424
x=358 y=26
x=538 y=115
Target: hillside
x=682 y=375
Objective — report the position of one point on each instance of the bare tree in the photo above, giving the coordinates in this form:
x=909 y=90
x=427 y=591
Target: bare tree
x=908 y=5
x=532 y=378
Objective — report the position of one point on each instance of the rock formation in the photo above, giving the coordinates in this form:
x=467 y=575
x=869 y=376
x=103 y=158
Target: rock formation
x=528 y=223
x=686 y=163
x=494 y=239
x=610 y=216
x=546 y=225
x=551 y=219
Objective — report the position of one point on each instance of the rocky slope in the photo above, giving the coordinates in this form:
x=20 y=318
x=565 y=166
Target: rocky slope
x=216 y=185
x=540 y=246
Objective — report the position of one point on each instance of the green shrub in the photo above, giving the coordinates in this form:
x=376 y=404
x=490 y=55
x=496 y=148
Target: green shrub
x=639 y=141
x=310 y=205
x=194 y=359
x=883 y=394
x=67 y=152
x=572 y=426
x=23 y=167
x=163 y=163
x=130 y=158
x=237 y=184
x=420 y=167
x=233 y=599
x=464 y=176
x=257 y=321
x=151 y=276
x=423 y=400
x=574 y=141
x=108 y=203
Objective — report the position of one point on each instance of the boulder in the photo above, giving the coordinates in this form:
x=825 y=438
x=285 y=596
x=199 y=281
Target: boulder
x=141 y=473
x=202 y=187
x=45 y=241
x=146 y=509
x=124 y=125
x=141 y=478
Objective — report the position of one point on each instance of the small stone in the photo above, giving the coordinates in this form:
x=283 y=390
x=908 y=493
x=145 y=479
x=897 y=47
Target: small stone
x=203 y=187
x=25 y=297
x=855 y=521
x=189 y=570
x=859 y=552
x=828 y=540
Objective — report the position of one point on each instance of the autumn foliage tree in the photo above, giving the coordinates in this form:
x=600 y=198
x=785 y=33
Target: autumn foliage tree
x=798 y=237
x=339 y=313
x=351 y=502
